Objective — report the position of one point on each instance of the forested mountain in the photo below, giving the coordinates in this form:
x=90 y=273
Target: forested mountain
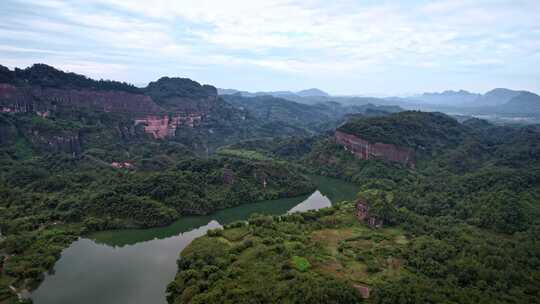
x=174 y=108
x=460 y=228
x=496 y=105
x=459 y=200
x=496 y=97
x=311 y=96
x=79 y=155
x=524 y=102
x=313 y=92
x=452 y=98
x=315 y=117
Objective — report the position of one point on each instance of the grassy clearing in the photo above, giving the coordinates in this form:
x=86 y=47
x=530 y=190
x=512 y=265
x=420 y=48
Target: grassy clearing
x=276 y=257
x=247 y=154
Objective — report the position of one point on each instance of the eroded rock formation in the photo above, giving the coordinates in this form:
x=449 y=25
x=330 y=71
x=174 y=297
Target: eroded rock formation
x=363 y=214
x=158 y=121
x=34 y=99
x=366 y=150
x=166 y=125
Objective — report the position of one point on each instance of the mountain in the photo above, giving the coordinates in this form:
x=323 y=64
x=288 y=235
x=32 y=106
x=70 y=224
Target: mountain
x=312 y=93
x=431 y=233
x=523 y=103
x=455 y=98
x=45 y=99
x=313 y=117
x=423 y=131
x=312 y=96
x=496 y=97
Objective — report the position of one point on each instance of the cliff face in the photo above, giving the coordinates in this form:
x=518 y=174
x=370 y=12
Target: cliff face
x=34 y=99
x=159 y=121
x=366 y=150
x=166 y=125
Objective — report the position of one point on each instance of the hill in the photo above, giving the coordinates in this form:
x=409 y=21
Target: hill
x=418 y=130
x=464 y=220
x=524 y=103
x=455 y=98
x=79 y=155
x=177 y=109
x=313 y=117
x=312 y=92
x=496 y=97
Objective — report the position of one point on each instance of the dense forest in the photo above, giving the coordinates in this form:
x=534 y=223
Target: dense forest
x=49 y=201
x=461 y=228
x=47 y=76
x=77 y=170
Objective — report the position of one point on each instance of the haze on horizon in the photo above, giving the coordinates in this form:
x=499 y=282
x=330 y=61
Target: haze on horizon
x=342 y=47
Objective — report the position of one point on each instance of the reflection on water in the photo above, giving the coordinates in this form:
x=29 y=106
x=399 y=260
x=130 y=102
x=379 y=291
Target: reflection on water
x=135 y=266
x=315 y=201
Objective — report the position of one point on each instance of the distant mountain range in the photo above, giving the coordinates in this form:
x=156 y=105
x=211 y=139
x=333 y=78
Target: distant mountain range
x=453 y=98
x=497 y=101
x=311 y=96
x=313 y=117
x=462 y=98
x=313 y=92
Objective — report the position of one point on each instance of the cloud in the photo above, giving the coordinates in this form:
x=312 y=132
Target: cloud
x=290 y=37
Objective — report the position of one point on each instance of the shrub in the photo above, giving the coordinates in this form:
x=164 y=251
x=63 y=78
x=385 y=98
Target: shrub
x=300 y=263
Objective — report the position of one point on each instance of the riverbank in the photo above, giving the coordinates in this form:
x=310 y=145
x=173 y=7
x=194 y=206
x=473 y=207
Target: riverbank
x=126 y=258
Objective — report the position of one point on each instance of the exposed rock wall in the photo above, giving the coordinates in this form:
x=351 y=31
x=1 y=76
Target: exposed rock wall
x=157 y=121
x=34 y=99
x=363 y=214
x=366 y=150
x=166 y=125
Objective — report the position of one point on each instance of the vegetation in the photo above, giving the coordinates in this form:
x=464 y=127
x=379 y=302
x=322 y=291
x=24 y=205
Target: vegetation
x=425 y=132
x=57 y=182
x=271 y=259
x=47 y=76
x=247 y=154
x=314 y=118
x=461 y=228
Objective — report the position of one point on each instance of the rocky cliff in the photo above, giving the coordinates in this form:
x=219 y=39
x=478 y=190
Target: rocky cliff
x=161 y=107
x=364 y=149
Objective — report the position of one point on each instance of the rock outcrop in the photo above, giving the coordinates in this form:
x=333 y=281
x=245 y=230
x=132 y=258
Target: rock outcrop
x=37 y=99
x=166 y=125
x=161 y=107
x=158 y=121
x=363 y=149
x=363 y=214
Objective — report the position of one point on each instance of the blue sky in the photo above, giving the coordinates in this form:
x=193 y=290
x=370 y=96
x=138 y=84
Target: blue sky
x=341 y=46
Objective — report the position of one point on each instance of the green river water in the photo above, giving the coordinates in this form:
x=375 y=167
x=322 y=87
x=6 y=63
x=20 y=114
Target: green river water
x=135 y=266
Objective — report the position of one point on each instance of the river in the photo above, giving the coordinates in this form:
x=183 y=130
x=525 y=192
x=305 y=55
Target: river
x=135 y=266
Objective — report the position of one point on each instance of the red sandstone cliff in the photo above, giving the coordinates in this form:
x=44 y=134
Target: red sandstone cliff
x=157 y=121
x=31 y=99
x=366 y=150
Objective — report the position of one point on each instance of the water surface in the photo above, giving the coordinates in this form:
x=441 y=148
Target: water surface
x=134 y=266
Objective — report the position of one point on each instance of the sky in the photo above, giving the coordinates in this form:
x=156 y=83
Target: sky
x=345 y=47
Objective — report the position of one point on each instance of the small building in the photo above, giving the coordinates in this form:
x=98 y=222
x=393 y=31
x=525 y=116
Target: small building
x=363 y=214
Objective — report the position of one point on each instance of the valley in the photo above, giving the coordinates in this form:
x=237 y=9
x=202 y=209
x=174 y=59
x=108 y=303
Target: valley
x=174 y=193
x=136 y=265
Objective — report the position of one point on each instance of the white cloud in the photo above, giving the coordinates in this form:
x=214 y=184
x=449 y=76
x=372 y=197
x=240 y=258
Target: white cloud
x=289 y=36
